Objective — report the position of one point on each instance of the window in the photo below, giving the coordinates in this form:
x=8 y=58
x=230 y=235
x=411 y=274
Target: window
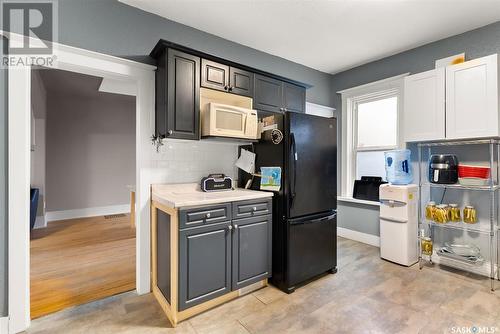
x=376 y=123
x=370 y=126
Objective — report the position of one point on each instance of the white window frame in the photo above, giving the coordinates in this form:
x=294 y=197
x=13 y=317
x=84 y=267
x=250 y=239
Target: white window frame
x=351 y=98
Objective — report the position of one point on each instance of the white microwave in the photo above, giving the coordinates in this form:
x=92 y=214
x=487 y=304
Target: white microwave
x=224 y=120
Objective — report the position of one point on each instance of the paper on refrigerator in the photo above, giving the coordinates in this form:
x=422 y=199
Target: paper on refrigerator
x=246 y=161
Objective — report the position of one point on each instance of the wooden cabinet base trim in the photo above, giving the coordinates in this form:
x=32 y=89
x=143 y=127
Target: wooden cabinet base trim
x=172 y=316
x=171 y=309
x=192 y=311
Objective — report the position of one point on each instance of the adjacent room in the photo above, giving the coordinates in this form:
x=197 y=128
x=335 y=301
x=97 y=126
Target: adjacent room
x=271 y=166
x=82 y=175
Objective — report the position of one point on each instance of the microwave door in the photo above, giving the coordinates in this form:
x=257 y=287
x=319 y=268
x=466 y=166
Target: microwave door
x=229 y=123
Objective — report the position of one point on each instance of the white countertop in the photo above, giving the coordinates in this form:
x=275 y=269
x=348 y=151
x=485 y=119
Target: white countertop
x=190 y=194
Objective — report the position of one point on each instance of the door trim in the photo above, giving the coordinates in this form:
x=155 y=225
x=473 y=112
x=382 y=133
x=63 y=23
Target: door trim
x=90 y=63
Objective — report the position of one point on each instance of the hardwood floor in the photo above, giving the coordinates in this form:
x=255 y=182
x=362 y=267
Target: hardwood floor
x=367 y=295
x=77 y=261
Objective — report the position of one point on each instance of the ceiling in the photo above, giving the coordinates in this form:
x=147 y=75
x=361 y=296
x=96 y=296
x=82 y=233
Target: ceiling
x=69 y=83
x=59 y=82
x=328 y=35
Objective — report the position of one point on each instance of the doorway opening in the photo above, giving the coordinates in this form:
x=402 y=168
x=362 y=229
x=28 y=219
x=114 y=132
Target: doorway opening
x=83 y=171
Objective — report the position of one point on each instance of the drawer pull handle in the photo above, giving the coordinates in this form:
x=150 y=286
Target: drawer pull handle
x=208 y=215
x=235 y=227
x=230 y=227
x=254 y=208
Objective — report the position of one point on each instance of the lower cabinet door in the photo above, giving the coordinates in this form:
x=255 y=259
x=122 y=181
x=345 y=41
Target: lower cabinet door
x=204 y=263
x=252 y=244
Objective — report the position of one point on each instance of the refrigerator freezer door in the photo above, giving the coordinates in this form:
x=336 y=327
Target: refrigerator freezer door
x=399 y=241
x=312 y=164
x=312 y=247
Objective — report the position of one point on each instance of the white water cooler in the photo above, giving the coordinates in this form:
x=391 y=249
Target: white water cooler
x=399 y=223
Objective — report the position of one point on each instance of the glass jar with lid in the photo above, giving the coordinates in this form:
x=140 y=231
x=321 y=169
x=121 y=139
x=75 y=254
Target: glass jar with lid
x=426 y=246
x=429 y=210
x=441 y=214
x=454 y=213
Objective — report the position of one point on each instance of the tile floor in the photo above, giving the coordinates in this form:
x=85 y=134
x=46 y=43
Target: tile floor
x=367 y=295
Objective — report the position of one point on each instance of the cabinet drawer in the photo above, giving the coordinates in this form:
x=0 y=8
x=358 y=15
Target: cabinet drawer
x=251 y=208
x=204 y=215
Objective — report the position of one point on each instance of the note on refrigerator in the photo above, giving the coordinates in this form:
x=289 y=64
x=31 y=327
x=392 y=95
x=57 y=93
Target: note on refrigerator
x=246 y=161
x=270 y=179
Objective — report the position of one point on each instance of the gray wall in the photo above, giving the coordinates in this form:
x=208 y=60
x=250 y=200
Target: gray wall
x=111 y=27
x=90 y=150
x=3 y=191
x=476 y=43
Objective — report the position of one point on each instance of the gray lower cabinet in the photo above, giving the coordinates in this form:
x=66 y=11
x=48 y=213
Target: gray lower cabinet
x=204 y=263
x=252 y=240
x=217 y=256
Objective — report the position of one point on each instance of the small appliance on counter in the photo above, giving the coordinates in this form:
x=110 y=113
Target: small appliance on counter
x=216 y=182
x=443 y=169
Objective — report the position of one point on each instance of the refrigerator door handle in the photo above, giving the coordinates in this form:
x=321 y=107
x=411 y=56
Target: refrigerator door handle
x=294 y=162
x=318 y=220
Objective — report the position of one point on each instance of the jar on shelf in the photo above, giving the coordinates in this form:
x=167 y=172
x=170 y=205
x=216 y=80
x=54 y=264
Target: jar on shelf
x=470 y=215
x=426 y=246
x=429 y=210
x=454 y=213
x=441 y=214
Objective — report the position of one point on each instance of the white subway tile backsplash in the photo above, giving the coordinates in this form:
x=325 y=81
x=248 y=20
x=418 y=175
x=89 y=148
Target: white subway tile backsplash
x=181 y=161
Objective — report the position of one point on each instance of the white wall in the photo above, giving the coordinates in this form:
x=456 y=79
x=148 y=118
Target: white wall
x=184 y=161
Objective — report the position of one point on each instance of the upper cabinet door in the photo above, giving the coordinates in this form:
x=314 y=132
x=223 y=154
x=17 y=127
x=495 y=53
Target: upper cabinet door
x=424 y=106
x=183 y=101
x=241 y=82
x=294 y=98
x=214 y=75
x=472 y=99
x=268 y=94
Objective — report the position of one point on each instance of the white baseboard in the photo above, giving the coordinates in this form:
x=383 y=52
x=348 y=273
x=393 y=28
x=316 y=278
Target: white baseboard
x=365 y=238
x=4 y=325
x=87 y=212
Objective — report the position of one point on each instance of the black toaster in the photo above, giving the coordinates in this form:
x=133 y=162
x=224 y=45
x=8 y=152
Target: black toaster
x=216 y=182
x=443 y=169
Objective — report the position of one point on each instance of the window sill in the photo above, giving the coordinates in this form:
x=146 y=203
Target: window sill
x=357 y=201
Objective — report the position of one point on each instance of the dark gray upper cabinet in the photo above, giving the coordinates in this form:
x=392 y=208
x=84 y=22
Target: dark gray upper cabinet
x=268 y=94
x=273 y=95
x=225 y=78
x=251 y=250
x=178 y=95
x=241 y=82
x=214 y=75
x=204 y=263
x=294 y=98
x=182 y=71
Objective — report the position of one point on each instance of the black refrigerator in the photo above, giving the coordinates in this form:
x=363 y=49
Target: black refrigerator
x=304 y=210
